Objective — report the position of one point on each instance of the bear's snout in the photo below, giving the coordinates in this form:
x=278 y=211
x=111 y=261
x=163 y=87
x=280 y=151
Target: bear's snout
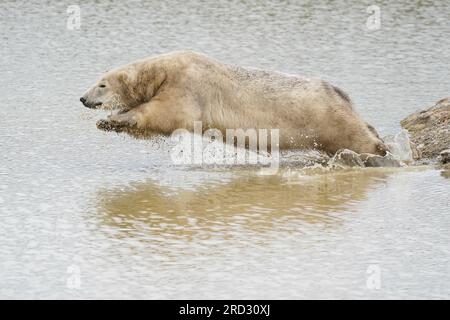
x=89 y=105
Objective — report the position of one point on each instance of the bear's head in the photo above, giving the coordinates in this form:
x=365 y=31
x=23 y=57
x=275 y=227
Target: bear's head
x=113 y=91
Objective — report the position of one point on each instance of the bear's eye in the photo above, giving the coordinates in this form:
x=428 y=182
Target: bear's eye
x=102 y=86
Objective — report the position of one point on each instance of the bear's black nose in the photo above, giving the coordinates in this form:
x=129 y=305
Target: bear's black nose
x=83 y=100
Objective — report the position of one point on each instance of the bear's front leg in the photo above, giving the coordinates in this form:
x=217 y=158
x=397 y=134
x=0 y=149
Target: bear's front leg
x=118 y=122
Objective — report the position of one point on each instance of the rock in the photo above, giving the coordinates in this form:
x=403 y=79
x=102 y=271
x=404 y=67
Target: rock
x=446 y=172
x=430 y=129
x=346 y=158
x=445 y=156
x=349 y=158
x=416 y=153
x=373 y=160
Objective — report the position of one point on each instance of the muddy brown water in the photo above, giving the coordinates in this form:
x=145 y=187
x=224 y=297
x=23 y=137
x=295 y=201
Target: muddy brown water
x=87 y=214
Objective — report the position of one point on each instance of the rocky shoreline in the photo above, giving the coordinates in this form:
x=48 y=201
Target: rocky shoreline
x=425 y=140
x=429 y=131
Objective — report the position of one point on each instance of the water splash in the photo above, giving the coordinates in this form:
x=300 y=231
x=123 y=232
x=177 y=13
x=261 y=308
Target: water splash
x=400 y=146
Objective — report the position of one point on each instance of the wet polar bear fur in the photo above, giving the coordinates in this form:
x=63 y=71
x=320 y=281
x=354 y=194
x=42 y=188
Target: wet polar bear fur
x=171 y=91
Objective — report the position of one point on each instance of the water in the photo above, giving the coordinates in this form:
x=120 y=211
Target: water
x=88 y=214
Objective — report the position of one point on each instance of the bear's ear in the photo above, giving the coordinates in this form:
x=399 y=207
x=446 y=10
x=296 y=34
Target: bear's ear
x=123 y=78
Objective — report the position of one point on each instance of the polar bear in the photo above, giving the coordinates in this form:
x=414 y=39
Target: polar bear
x=167 y=92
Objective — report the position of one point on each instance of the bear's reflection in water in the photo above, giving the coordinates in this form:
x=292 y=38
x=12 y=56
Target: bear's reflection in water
x=261 y=204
